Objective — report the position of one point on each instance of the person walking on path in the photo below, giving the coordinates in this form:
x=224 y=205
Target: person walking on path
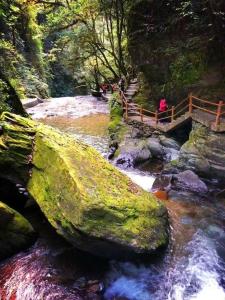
x=122 y=84
x=162 y=109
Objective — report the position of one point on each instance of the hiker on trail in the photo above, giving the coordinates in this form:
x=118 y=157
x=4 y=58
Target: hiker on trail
x=122 y=84
x=162 y=109
x=104 y=88
x=163 y=105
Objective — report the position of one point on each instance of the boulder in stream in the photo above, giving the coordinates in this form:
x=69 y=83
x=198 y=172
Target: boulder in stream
x=86 y=199
x=188 y=180
x=133 y=152
x=16 y=233
x=203 y=153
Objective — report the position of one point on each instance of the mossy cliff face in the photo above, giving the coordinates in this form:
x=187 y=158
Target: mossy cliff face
x=86 y=199
x=178 y=46
x=203 y=153
x=16 y=233
x=117 y=128
x=9 y=100
x=16 y=142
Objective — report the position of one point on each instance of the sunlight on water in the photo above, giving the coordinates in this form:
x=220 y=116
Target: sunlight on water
x=73 y=107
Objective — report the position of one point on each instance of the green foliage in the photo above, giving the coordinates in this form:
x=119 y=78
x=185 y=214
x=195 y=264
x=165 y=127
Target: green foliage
x=177 y=45
x=21 y=53
x=3 y=97
x=90 y=40
x=187 y=69
x=116 y=113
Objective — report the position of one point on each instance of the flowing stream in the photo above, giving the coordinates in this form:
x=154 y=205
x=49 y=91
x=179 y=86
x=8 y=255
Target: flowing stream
x=192 y=268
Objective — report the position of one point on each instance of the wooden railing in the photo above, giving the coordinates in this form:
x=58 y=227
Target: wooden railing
x=187 y=105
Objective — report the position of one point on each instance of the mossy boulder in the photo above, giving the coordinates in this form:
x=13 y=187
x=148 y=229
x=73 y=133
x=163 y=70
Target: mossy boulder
x=86 y=199
x=203 y=153
x=16 y=233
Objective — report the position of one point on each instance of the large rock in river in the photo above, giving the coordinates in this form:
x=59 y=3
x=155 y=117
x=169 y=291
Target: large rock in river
x=16 y=233
x=203 y=153
x=87 y=200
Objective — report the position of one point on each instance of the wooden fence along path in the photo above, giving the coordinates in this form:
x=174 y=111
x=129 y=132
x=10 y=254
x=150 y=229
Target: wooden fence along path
x=208 y=113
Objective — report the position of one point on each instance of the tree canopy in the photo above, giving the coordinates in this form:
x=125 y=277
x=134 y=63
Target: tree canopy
x=57 y=46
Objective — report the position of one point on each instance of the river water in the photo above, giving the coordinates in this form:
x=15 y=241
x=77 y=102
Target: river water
x=192 y=268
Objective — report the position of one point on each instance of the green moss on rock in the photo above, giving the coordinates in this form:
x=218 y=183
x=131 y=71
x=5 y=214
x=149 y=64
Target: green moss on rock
x=87 y=200
x=117 y=128
x=16 y=233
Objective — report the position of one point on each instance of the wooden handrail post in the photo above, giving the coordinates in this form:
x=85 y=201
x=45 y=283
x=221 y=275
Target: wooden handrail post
x=141 y=112
x=219 y=109
x=190 y=103
x=121 y=99
x=172 y=113
x=156 y=117
x=126 y=111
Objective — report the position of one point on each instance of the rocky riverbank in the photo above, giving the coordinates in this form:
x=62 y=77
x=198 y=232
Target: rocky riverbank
x=194 y=165
x=203 y=153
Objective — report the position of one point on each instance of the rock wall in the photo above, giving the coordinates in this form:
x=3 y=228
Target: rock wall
x=203 y=153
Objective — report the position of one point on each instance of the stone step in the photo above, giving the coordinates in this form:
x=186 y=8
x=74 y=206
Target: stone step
x=134 y=80
x=129 y=93
x=132 y=87
x=132 y=91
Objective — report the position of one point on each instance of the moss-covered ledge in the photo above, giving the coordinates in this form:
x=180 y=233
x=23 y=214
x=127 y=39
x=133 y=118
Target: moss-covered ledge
x=87 y=200
x=16 y=233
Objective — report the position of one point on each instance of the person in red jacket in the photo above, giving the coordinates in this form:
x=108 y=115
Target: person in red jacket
x=162 y=109
x=163 y=105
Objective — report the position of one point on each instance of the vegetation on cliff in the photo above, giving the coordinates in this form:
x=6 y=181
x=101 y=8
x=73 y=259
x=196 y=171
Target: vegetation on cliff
x=179 y=48
x=64 y=46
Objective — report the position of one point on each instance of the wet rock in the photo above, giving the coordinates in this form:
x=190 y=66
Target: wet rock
x=133 y=152
x=203 y=153
x=188 y=180
x=111 y=152
x=94 y=286
x=136 y=133
x=169 y=142
x=155 y=147
x=87 y=200
x=16 y=233
x=162 y=183
x=184 y=196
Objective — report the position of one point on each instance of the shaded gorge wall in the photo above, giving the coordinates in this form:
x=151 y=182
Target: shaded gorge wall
x=178 y=48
